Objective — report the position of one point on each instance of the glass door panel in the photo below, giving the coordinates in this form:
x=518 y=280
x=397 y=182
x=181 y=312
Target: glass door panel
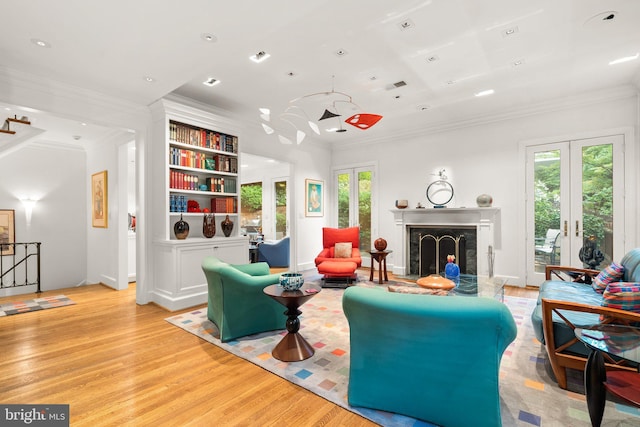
x=598 y=206
x=355 y=191
x=364 y=209
x=344 y=199
x=281 y=212
x=547 y=202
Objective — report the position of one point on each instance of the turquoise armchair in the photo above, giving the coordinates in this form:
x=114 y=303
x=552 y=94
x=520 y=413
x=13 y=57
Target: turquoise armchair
x=434 y=358
x=236 y=303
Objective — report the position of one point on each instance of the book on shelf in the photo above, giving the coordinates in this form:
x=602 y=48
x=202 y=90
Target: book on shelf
x=203 y=138
x=222 y=184
x=224 y=205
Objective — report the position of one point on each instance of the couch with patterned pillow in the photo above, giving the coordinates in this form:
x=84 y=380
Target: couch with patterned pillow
x=575 y=297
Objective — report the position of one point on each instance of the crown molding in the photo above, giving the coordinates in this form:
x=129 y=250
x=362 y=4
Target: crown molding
x=73 y=102
x=559 y=104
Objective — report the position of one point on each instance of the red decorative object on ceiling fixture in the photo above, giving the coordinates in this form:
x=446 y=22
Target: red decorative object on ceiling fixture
x=363 y=120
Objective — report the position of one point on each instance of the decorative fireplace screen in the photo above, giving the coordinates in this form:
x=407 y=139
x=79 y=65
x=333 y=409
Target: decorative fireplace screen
x=430 y=245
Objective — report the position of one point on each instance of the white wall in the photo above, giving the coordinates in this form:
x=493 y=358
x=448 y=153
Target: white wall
x=482 y=159
x=103 y=258
x=57 y=177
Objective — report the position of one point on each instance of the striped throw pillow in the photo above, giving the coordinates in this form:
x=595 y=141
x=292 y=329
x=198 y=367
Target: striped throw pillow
x=612 y=273
x=622 y=295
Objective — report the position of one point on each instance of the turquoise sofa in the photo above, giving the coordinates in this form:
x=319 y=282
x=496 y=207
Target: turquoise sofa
x=236 y=303
x=429 y=357
x=567 y=300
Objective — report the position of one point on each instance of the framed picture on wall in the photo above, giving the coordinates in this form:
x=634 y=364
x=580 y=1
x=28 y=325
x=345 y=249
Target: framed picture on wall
x=7 y=231
x=314 y=197
x=99 y=200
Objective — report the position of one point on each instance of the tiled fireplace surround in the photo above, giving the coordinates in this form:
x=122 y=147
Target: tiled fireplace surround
x=485 y=221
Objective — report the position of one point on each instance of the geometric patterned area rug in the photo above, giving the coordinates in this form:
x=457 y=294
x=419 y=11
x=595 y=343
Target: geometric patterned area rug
x=528 y=396
x=7 y=309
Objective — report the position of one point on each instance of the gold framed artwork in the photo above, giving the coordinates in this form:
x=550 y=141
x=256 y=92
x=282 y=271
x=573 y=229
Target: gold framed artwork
x=99 y=200
x=314 y=197
x=7 y=231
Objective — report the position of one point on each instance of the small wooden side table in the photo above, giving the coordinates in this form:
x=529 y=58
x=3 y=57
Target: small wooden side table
x=293 y=347
x=381 y=258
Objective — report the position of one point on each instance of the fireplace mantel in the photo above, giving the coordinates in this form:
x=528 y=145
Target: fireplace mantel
x=486 y=221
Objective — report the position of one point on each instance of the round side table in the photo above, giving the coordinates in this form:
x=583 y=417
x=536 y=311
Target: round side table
x=293 y=347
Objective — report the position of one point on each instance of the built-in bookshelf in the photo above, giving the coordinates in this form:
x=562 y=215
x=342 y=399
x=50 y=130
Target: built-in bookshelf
x=193 y=165
x=203 y=174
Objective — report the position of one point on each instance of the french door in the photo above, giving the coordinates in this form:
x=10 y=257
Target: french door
x=281 y=207
x=354 y=200
x=574 y=204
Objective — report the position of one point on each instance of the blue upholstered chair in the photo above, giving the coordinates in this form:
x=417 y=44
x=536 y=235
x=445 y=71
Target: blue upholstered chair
x=435 y=358
x=274 y=253
x=236 y=303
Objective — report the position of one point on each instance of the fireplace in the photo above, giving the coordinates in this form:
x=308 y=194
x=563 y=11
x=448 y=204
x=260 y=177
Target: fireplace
x=479 y=228
x=429 y=246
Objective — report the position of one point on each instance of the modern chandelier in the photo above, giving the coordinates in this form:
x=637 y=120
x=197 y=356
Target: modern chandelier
x=332 y=104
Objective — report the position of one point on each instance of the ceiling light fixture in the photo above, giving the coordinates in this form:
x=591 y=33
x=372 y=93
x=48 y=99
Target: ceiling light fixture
x=485 y=92
x=510 y=31
x=259 y=57
x=624 y=59
x=41 y=43
x=406 y=24
x=208 y=37
x=211 y=82
x=149 y=79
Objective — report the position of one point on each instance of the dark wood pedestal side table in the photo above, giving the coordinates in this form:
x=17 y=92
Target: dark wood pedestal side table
x=381 y=258
x=619 y=341
x=293 y=347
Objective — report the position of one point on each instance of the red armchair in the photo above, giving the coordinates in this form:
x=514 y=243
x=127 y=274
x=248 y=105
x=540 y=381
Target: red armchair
x=341 y=262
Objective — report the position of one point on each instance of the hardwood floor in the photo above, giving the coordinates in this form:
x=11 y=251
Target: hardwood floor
x=117 y=363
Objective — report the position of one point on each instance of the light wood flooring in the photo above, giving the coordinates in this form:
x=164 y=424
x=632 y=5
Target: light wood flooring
x=117 y=363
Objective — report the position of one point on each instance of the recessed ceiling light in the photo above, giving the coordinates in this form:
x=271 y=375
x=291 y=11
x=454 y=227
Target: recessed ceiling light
x=149 y=79
x=40 y=43
x=83 y=124
x=433 y=58
x=517 y=63
x=291 y=74
x=624 y=59
x=485 y=92
x=406 y=24
x=259 y=57
x=451 y=82
x=208 y=37
x=211 y=82
x=510 y=31
x=423 y=107
x=341 y=52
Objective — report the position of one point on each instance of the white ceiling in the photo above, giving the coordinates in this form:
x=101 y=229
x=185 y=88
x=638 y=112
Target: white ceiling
x=564 y=48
